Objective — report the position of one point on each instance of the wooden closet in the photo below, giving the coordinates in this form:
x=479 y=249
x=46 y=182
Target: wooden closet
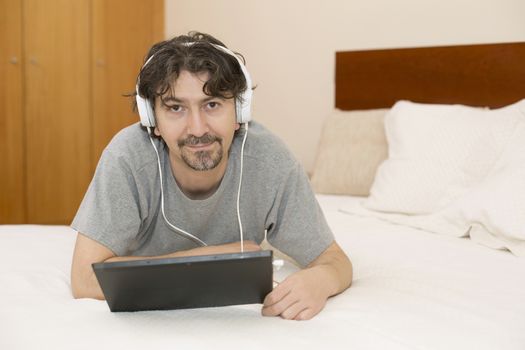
x=65 y=65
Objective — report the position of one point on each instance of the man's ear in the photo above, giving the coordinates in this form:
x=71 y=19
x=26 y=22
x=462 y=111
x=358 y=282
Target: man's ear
x=156 y=131
x=237 y=126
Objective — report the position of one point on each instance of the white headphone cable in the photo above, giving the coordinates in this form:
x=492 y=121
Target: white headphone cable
x=173 y=227
x=240 y=184
x=181 y=231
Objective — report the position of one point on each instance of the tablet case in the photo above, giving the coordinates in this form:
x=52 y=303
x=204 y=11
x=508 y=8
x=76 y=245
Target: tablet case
x=187 y=282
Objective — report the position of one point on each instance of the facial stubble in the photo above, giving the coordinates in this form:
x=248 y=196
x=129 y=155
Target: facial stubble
x=201 y=160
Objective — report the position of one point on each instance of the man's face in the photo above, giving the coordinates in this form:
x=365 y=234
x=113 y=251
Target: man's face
x=197 y=128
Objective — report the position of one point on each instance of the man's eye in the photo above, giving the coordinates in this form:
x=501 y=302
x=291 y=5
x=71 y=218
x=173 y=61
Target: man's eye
x=175 y=108
x=213 y=105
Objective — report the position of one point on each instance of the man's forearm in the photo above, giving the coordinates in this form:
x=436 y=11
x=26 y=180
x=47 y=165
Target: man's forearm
x=85 y=284
x=336 y=267
x=208 y=250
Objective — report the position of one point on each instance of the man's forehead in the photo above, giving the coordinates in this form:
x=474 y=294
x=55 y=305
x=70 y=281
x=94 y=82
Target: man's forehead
x=173 y=98
x=183 y=83
x=202 y=76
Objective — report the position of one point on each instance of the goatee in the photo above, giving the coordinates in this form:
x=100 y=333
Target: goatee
x=201 y=160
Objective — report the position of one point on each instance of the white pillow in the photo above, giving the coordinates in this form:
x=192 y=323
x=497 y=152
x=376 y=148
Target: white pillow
x=496 y=208
x=517 y=106
x=436 y=153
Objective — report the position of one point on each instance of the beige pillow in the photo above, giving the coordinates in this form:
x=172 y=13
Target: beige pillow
x=352 y=146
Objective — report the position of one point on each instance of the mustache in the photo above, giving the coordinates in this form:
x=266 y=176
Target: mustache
x=194 y=140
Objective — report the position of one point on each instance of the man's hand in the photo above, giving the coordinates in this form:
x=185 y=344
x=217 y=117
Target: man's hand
x=303 y=294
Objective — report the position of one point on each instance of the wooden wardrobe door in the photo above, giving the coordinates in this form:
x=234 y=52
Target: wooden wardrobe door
x=57 y=107
x=123 y=31
x=12 y=191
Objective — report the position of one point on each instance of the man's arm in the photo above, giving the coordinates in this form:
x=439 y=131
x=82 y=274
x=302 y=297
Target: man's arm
x=303 y=294
x=84 y=283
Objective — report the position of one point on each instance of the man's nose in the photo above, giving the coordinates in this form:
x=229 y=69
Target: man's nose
x=197 y=123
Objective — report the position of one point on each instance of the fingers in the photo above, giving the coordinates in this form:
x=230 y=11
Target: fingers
x=282 y=301
x=276 y=302
x=293 y=311
x=277 y=294
x=298 y=297
x=290 y=309
x=306 y=314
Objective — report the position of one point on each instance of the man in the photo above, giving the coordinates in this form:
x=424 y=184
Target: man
x=160 y=191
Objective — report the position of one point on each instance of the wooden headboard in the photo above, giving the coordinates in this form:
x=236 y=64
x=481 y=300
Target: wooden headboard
x=490 y=75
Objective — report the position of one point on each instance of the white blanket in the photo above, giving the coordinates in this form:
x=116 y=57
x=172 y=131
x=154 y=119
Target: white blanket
x=411 y=290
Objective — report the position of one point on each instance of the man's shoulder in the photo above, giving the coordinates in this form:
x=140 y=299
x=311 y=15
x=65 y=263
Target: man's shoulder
x=266 y=147
x=132 y=145
x=128 y=135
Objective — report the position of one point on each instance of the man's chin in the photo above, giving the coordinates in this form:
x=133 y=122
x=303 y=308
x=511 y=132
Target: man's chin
x=202 y=160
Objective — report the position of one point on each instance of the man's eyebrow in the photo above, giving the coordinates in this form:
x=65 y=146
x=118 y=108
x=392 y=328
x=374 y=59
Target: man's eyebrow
x=178 y=100
x=171 y=99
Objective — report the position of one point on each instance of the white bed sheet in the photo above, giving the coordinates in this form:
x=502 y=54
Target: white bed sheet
x=411 y=290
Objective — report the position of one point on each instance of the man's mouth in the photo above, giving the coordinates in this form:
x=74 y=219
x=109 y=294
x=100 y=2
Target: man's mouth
x=200 y=146
x=201 y=153
x=199 y=143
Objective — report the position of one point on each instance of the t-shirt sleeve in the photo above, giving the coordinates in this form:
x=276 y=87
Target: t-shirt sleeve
x=297 y=225
x=110 y=211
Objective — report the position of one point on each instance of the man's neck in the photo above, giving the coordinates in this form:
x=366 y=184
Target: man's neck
x=198 y=184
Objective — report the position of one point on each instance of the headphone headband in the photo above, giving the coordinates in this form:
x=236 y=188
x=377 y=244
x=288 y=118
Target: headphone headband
x=242 y=104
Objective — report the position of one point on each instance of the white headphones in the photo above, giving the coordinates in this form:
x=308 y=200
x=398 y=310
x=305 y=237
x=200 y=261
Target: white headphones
x=242 y=104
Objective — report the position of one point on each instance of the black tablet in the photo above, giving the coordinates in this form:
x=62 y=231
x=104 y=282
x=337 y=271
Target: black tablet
x=188 y=282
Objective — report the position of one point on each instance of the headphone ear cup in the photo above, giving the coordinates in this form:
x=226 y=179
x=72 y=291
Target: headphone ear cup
x=243 y=109
x=147 y=116
x=238 y=112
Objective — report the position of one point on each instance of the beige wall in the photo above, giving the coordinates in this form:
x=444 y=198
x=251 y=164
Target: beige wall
x=289 y=45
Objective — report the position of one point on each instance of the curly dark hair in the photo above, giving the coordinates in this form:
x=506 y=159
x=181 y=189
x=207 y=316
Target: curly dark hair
x=172 y=56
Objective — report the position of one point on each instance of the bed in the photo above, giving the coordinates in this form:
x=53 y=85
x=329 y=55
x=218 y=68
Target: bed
x=412 y=288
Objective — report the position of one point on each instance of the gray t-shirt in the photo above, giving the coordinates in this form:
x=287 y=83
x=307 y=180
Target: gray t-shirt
x=122 y=207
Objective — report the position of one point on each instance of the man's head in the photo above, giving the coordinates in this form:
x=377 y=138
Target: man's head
x=192 y=85
x=195 y=53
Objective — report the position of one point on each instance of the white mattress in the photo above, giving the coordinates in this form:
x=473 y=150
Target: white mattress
x=411 y=290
